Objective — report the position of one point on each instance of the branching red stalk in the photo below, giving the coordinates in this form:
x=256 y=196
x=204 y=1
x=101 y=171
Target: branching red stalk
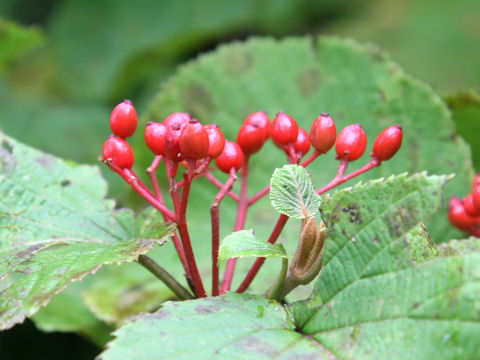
x=133 y=181
x=215 y=215
x=152 y=173
x=311 y=158
x=338 y=180
x=183 y=230
x=258 y=195
x=210 y=177
x=239 y=225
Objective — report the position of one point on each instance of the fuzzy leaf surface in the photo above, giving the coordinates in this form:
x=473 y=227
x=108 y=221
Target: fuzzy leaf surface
x=243 y=243
x=56 y=227
x=292 y=192
x=233 y=326
x=384 y=290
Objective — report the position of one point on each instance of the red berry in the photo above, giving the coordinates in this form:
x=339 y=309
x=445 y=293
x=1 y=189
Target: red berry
x=172 y=142
x=351 y=142
x=250 y=138
x=261 y=120
x=302 y=144
x=284 y=130
x=119 y=152
x=469 y=206
x=323 y=133
x=388 y=142
x=155 y=134
x=231 y=157
x=194 y=140
x=124 y=120
x=176 y=118
x=457 y=215
x=216 y=140
x=476 y=197
x=476 y=181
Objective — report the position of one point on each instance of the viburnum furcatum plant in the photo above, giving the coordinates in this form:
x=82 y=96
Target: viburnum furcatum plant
x=384 y=277
x=186 y=146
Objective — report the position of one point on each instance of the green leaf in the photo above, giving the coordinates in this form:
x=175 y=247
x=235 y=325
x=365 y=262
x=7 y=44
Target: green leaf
x=383 y=289
x=112 y=59
x=228 y=327
x=244 y=244
x=465 y=107
x=355 y=83
x=292 y=192
x=367 y=227
x=55 y=227
x=15 y=41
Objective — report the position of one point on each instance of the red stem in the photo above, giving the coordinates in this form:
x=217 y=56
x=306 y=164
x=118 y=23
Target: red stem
x=239 y=224
x=258 y=195
x=181 y=209
x=282 y=220
x=311 y=158
x=210 y=177
x=340 y=179
x=152 y=173
x=215 y=215
x=141 y=189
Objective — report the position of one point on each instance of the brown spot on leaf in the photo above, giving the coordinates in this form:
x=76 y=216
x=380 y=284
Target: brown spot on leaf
x=308 y=81
x=202 y=309
x=197 y=100
x=46 y=161
x=238 y=62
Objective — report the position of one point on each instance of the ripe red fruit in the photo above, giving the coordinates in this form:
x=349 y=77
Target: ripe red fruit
x=155 y=134
x=250 y=138
x=284 y=130
x=388 y=142
x=176 y=118
x=323 y=133
x=172 y=143
x=119 y=152
x=469 y=206
x=457 y=215
x=302 y=144
x=261 y=120
x=231 y=157
x=476 y=197
x=476 y=181
x=124 y=120
x=216 y=140
x=194 y=140
x=351 y=142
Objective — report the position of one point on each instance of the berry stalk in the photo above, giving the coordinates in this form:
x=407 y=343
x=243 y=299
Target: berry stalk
x=215 y=216
x=239 y=224
x=181 y=209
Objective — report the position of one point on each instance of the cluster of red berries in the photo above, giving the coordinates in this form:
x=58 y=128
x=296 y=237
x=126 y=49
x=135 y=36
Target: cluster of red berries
x=181 y=138
x=465 y=213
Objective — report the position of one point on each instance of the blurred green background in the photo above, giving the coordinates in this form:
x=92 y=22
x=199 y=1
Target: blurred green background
x=65 y=64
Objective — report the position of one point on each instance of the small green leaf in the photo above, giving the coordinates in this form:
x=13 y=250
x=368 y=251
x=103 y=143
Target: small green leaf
x=243 y=244
x=292 y=192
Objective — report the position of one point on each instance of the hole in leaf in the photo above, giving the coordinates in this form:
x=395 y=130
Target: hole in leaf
x=65 y=183
x=6 y=146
